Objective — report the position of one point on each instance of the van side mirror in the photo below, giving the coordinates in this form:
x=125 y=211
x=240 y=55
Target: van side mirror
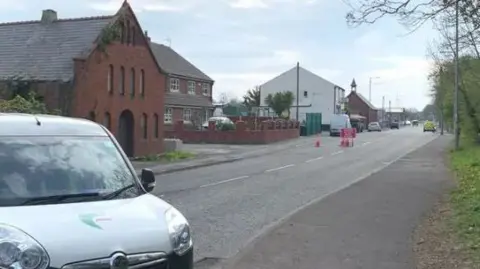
x=148 y=179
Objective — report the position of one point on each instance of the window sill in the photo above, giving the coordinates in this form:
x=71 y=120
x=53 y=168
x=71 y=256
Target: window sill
x=174 y=90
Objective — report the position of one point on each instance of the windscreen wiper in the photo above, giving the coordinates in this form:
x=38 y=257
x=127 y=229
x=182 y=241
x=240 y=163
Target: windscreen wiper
x=116 y=193
x=58 y=198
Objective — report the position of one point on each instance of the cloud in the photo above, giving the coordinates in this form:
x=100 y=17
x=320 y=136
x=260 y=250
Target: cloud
x=143 y=5
x=245 y=4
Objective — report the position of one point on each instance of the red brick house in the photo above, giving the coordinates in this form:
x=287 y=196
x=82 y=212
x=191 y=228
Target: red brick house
x=358 y=104
x=100 y=68
x=188 y=91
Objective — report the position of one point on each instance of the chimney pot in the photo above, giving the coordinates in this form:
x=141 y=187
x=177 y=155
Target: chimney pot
x=49 y=16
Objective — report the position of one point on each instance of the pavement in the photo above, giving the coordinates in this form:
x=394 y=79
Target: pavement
x=214 y=154
x=368 y=225
x=231 y=205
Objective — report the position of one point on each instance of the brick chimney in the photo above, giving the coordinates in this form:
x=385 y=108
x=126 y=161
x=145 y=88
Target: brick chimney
x=147 y=37
x=49 y=16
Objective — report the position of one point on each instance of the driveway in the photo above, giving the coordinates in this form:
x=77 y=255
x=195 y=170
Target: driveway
x=229 y=205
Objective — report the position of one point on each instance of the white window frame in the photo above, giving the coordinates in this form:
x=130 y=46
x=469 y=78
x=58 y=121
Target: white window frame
x=174 y=85
x=206 y=89
x=167 y=116
x=191 y=87
x=189 y=118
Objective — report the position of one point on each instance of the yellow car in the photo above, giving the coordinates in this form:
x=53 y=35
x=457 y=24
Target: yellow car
x=429 y=126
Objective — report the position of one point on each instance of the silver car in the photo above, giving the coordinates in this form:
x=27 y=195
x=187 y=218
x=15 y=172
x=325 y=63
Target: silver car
x=374 y=127
x=70 y=199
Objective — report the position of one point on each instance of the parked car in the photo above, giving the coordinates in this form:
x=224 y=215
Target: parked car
x=337 y=123
x=394 y=125
x=374 y=127
x=67 y=182
x=222 y=120
x=429 y=126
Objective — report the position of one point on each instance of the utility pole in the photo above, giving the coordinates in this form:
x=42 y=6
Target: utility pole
x=383 y=109
x=390 y=113
x=455 y=104
x=298 y=91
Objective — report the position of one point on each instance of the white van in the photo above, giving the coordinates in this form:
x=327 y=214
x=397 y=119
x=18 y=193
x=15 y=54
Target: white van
x=339 y=122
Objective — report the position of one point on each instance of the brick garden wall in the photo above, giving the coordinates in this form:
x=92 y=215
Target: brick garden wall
x=266 y=132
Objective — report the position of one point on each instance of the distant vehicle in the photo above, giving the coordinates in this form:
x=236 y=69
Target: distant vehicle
x=429 y=126
x=414 y=122
x=394 y=125
x=339 y=122
x=217 y=120
x=374 y=127
x=358 y=122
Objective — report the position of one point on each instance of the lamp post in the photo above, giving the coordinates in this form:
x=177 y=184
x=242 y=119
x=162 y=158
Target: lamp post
x=370 y=88
x=455 y=104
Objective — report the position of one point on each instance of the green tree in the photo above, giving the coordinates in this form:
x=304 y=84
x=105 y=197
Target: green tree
x=252 y=99
x=280 y=102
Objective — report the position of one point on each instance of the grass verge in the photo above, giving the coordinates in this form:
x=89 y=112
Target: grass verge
x=172 y=156
x=465 y=199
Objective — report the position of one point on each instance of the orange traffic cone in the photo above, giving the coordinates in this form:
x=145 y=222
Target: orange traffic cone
x=317 y=142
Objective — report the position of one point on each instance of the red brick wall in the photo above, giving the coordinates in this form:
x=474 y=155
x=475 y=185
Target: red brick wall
x=91 y=92
x=357 y=106
x=239 y=136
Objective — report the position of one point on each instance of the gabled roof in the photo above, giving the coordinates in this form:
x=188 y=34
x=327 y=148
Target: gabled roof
x=45 y=51
x=173 y=63
x=365 y=100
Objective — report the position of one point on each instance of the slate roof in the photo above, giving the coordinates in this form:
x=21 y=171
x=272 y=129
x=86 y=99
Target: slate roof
x=365 y=100
x=45 y=51
x=173 y=63
x=181 y=99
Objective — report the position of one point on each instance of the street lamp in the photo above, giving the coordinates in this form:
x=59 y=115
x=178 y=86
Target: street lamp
x=370 y=87
x=455 y=104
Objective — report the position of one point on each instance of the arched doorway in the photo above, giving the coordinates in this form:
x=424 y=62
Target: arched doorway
x=126 y=127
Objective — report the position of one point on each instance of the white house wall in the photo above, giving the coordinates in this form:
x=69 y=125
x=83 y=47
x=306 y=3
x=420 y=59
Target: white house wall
x=320 y=93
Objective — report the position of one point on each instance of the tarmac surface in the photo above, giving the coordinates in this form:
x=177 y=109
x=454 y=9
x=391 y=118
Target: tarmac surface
x=232 y=204
x=367 y=225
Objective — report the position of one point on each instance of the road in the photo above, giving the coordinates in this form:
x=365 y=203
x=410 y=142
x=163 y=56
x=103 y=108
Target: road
x=229 y=205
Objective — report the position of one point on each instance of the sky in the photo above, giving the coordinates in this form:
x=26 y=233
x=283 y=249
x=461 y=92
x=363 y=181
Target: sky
x=244 y=43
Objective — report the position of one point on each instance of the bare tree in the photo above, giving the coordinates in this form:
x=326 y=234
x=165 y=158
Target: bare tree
x=197 y=118
x=410 y=13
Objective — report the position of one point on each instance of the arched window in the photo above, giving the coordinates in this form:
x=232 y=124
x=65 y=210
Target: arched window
x=143 y=124
x=155 y=122
x=132 y=82
x=110 y=79
x=107 y=121
x=122 y=81
x=91 y=115
x=142 y=83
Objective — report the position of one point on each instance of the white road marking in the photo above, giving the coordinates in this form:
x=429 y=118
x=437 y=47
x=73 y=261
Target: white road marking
x=279 y=168
x=223 y=181
x=315 y=159
x=338 y=152
x=366 y=143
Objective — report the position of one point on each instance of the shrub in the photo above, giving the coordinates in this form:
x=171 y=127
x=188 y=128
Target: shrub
x=225 y=126
x=29 y=105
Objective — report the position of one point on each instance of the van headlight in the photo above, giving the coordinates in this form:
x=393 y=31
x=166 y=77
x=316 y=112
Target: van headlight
x=179 y=231
x=20 y=251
